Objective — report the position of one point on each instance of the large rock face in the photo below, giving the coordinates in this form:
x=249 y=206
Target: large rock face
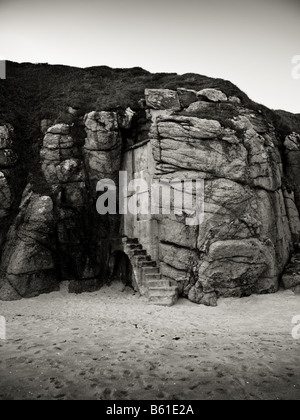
x=8 y=160
x=27 y=267
x=250 y=227
x=60 y=237
x=7 y=156
x=102 y=149
x=292 y=155
x=250 y=222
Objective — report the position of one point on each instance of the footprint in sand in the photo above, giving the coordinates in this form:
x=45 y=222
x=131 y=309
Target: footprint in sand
x=161 y=396
x=126 y=373
x=106 y=394
x=60 y=396
x=193 y=387
x=56 y=383
x=119 y=394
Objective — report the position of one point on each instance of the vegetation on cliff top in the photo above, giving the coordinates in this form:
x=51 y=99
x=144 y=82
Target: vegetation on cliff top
x=37 y=91
x=33 y=92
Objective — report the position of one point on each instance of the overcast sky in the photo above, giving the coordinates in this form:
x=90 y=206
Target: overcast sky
x=249 y=42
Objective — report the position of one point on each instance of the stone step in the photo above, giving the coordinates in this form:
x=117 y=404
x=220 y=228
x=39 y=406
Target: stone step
x=158 y=283
x=139 y=252
x=163 y=301
x=140 y=258
x=153 y=276
x=163 y=291
x=160 y=291
x=133 y=247
x=149 y=264
x=150 y=270
x=132 y=241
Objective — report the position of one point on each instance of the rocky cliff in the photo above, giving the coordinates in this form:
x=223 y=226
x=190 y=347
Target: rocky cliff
x=251 y=223
x=50 y=230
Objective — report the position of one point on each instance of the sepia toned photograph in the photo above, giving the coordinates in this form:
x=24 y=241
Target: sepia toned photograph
x=149 y=202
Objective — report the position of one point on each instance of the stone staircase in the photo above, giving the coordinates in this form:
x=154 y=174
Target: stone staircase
x=148 y=276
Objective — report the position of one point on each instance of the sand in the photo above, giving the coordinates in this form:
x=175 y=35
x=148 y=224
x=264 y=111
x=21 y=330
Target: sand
x=113 y=345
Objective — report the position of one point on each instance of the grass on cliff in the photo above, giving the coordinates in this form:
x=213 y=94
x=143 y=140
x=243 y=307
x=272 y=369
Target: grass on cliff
x=40 y=91
x=33 y=92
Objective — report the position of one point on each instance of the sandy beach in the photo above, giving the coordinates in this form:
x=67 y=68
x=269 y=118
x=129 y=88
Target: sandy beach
x=113 y=345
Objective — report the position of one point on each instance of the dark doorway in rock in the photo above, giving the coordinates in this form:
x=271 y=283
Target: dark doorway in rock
x=120 y=269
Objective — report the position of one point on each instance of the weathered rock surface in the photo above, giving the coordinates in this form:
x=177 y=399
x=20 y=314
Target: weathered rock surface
x=6 y=134
x=234 y=100
x=27 y=266
x=125 y=119
x=292 y=154
x=250 y=221
x=250 y=226
x=102 y=149
x=212 y=95
x=8 y=159
x=5 y=196
x=291 y=276
x=162 y=99
x=186 y=97
x=65 y=173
